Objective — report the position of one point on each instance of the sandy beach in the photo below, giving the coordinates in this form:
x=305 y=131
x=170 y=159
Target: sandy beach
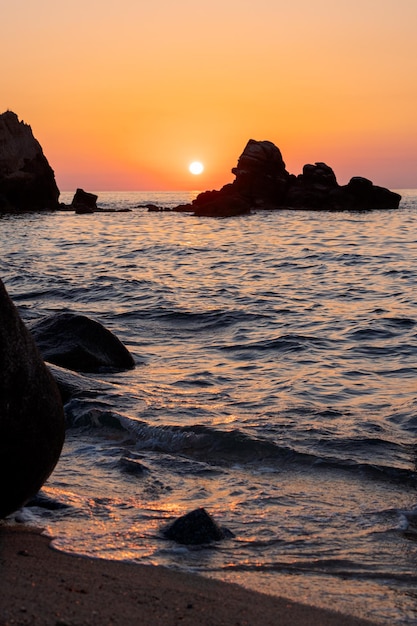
x=40 y=585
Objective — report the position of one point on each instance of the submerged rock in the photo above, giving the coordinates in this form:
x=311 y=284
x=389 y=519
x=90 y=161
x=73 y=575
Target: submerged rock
x=43 y=501
x=73 y=385
x=196 y=527
x=262 y=182
x=27 y=182
x=32 y=423
x=79 y=343
x=130 y=465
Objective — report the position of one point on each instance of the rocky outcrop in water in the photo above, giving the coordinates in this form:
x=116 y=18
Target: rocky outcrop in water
x=262 y=182
x=84 y=201
x=317 y=188
x=79 y=343
x=27 y=182
x=196 y=527
x=32 y=424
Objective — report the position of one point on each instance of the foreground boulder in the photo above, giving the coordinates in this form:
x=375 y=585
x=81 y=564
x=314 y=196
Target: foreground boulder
x=262 y=182
x=196 y=527
x=32 y=424
x=79 y=343
x=27 y=182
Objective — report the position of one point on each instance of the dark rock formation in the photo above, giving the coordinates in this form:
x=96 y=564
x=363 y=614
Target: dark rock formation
x=317 y=188
x=360 y=192
x=313 y=188
x=32 y=421
x=27 y=182
x=150 y=206
x=84 y=202
x=221 y=204
x=196 y=527
x=261 y=176
x=262 y=182
x=80 y=344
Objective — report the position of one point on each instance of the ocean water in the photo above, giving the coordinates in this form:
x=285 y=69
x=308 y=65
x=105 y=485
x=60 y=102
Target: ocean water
x=275 y=385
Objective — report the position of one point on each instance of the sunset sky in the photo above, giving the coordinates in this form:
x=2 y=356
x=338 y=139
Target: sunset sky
x=125 y=94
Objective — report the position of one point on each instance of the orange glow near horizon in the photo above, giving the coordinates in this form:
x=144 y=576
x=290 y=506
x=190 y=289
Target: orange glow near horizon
x=123 y=96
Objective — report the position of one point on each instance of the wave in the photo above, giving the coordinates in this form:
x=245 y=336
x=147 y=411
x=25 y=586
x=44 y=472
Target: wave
x=343 y=568
x=285 y=343
x=226 y=447
x=207 y=320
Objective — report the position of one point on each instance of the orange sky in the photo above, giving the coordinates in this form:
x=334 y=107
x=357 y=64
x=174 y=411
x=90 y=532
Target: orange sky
x=125 y=94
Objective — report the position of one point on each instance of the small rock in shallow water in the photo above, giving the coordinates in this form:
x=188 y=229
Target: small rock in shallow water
x=84 y=202
x=132 y=466
x=196 y=527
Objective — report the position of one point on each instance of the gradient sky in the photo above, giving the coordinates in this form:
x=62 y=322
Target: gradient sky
x=125 y=94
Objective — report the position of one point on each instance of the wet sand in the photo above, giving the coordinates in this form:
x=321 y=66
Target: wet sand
x=39 y=585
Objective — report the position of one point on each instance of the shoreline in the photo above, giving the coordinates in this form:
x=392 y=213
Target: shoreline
x=41 y=585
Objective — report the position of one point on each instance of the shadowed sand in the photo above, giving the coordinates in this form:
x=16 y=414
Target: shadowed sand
x=39 y=585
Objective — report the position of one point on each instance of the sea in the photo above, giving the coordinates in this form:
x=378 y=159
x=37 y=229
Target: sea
x=275 y=386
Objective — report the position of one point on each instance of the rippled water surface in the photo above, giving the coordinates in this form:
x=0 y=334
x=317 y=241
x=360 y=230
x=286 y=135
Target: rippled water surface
x=275 y=386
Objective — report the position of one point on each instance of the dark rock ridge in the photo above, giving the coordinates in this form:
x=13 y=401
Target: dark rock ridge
x=195 y=528
x=79 y=343
x=27 y=182
x=262 y=182
x=32 y=423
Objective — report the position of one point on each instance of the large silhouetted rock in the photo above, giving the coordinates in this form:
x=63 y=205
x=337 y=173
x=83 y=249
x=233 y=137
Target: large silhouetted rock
x=362 y=193
x=27 y=181
x=32 y=421
x=262 y=182
x=79 y=343
x=261 y=175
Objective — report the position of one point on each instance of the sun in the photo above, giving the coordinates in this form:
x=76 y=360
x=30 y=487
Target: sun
x=196 y=167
